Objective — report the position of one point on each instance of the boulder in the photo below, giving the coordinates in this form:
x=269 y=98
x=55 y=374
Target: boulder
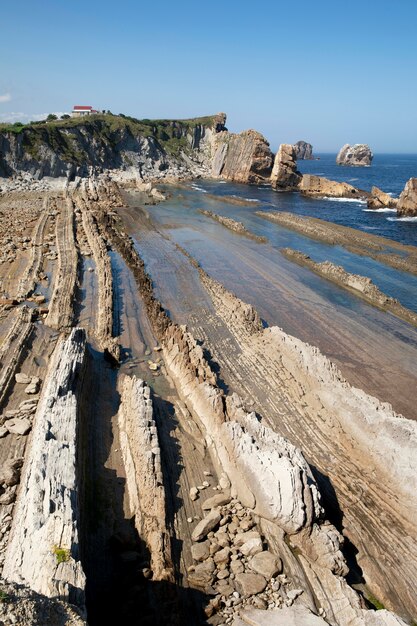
x=407 y=202
x=303 y=151
x=252 y=546
x=18 y=426
x=284 y=174
x=358 y=155
x=266 y=564
x=249 y=584
x=10 y=472
x=379 y=200
x=220 y=499
x=202 y=576
x=200 y=551
x=22 y=379
x=206 y=525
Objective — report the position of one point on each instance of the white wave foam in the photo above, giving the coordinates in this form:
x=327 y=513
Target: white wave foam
x=199 y=188
x=384 y=210
x=352 y=180
x=355 y=200
x=402 y=219
x=247 y=199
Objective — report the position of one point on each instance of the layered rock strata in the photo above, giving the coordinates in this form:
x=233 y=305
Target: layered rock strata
x=363 y=433
x=407 y=202
x=61 y=308
x=303 y=151
x=43 y=550
x=13 y=347
x=104 y=329
x=243 y=158
x=360 y=285
x=397 y=255
x=381 y=200
x=144 y=480
x=128 y=147
x=317 y=186
x=254 y=458
x=357 y=155
x=28 y=281
x=234 y=225
x=284 y=174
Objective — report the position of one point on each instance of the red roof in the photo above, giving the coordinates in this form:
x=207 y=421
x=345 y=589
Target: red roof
x=82 y=108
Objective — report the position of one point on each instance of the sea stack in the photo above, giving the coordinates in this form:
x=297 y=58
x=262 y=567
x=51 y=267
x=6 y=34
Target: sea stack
x=303 y=151
x=407 y=202
x=285 y=175
x=359 y=155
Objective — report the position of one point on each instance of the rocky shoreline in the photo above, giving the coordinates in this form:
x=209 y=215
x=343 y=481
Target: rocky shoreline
x=213 y=508
x=387 y=251
x=360 y=285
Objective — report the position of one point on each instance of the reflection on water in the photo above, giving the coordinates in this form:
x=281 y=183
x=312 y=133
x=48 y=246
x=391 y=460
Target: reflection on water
x=196 y=233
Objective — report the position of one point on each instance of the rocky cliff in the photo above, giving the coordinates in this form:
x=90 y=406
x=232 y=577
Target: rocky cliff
x=79 y=146
x=358 y=155
x=244 y=158
x=407 y=202
x=303 y=150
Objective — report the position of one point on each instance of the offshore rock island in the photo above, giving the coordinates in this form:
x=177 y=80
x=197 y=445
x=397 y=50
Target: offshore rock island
x=170 y=453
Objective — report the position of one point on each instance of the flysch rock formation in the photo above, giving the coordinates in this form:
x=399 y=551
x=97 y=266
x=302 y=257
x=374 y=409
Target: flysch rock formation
x=128 y=147
x=303 y=151
x=234 y=225
x=144 y=480
x=284 y=173
x=83 y=196
x=12 y=348
x=360 y=285
x=357 y=155
x=407 y=202
x=384 y=250
x=27 y=282
x=317 y=186
x=43 y=550
x=61 y=308
x=245 y=157
x=381 y=200
x=373 y=429
x=254 y=458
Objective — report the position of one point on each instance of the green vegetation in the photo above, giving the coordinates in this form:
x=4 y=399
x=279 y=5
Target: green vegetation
x=63 y=135
x=4 y=597
x=62 y=554
x=374 y=602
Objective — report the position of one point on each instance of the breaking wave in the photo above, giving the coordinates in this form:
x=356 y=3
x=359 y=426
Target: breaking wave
x=402 y=219
x=355 y=200
x=384 y=210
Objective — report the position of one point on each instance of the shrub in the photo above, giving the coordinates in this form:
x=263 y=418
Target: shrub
x=62 y=554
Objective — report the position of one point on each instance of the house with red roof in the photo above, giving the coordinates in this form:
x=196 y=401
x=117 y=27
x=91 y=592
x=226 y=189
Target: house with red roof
x=80 y=110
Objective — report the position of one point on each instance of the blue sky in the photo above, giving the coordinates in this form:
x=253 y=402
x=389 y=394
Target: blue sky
x=327 y=72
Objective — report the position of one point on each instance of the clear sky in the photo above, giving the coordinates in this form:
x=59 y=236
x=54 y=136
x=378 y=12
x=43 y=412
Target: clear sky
x=328 y=72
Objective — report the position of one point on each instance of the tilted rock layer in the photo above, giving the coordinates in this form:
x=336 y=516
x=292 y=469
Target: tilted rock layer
x=43 y=550
x=244 y=158
x=284 y=173
x=407 y=202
